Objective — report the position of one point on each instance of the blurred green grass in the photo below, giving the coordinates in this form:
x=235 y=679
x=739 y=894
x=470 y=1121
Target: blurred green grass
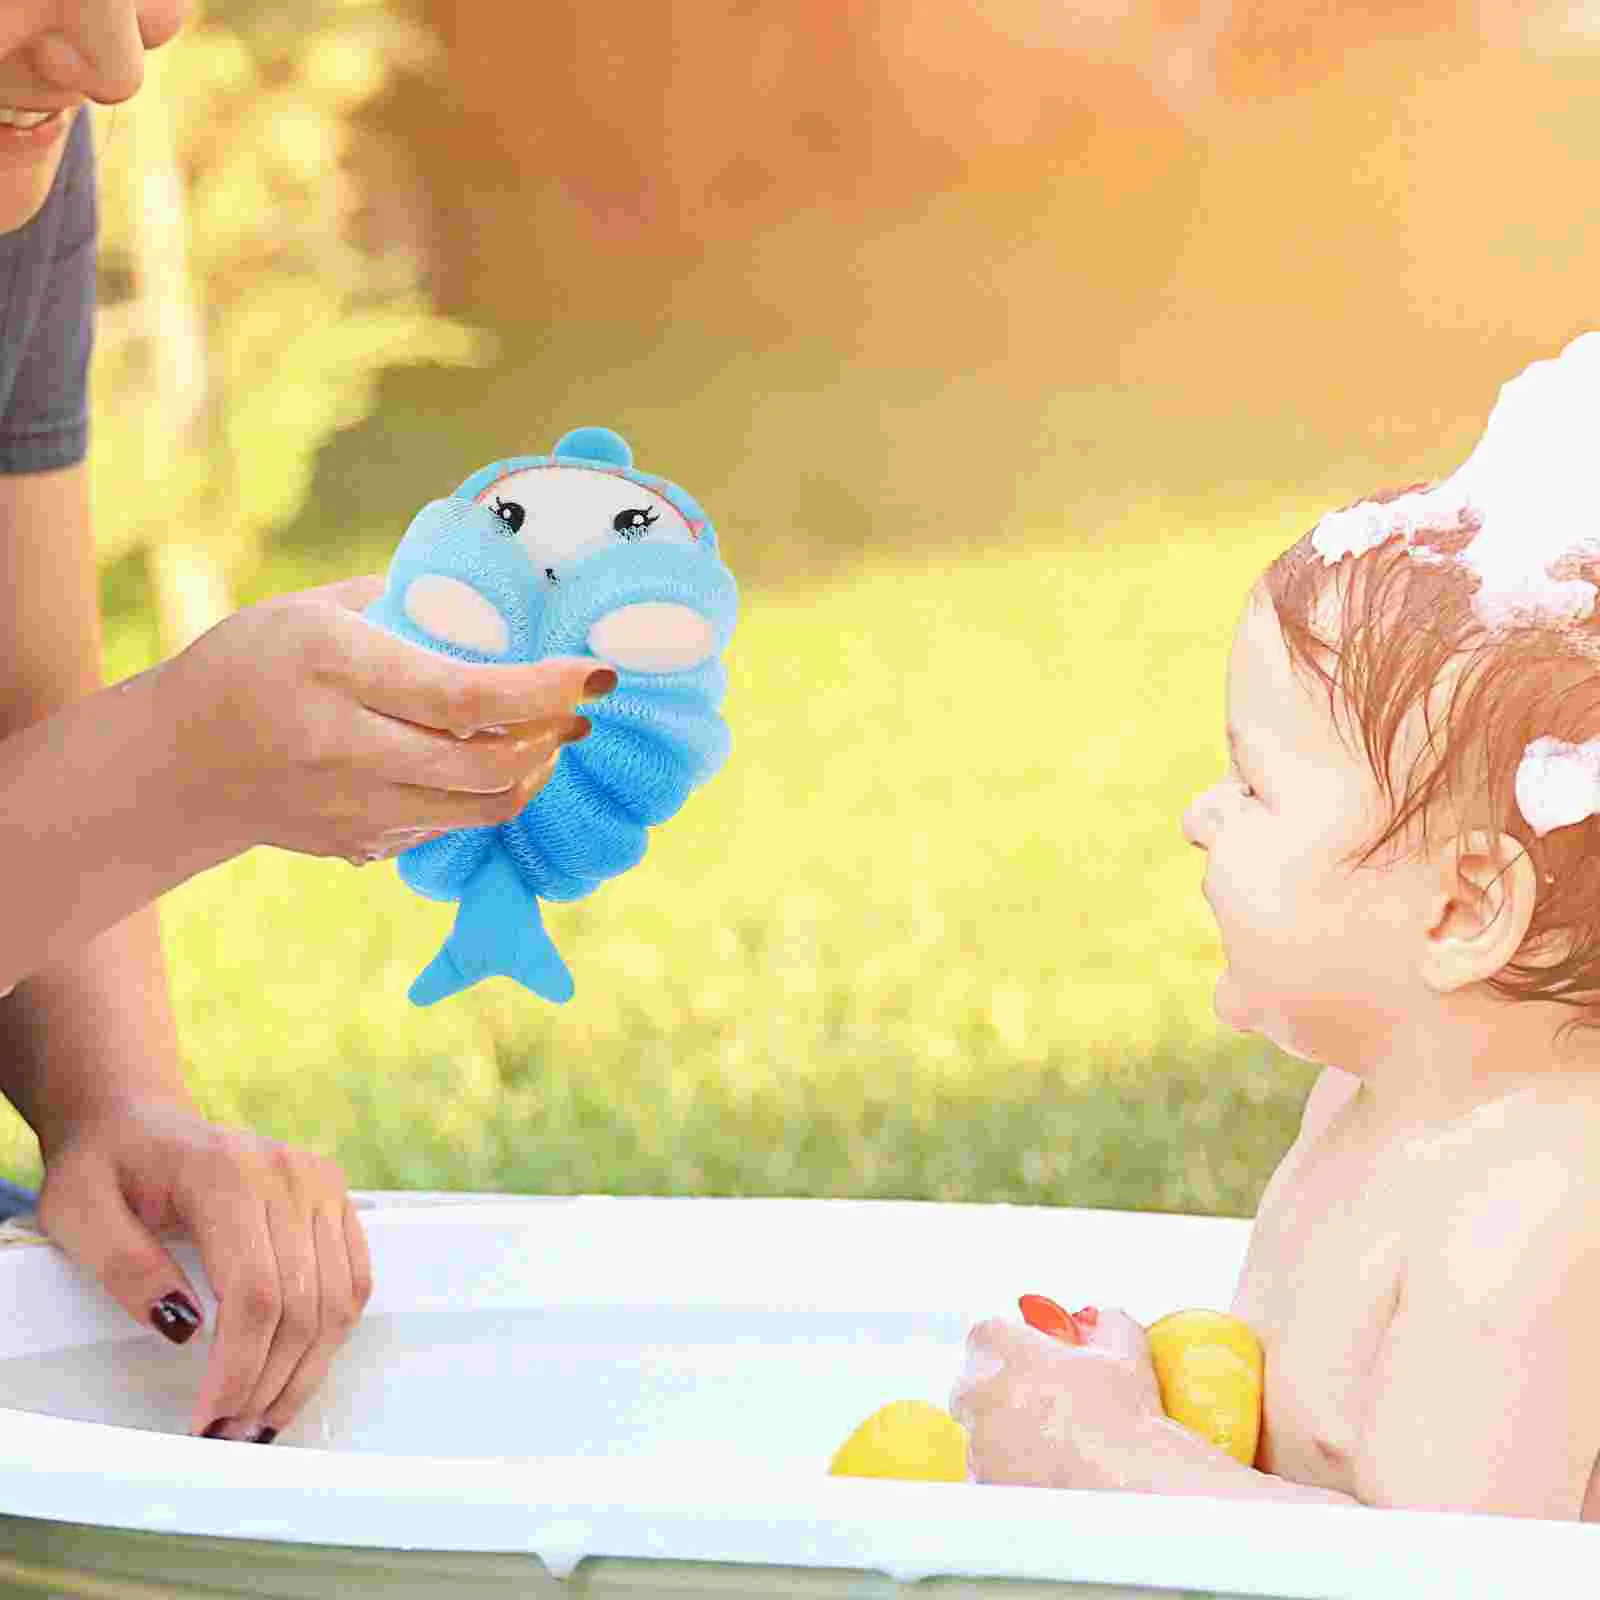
x=933 y=933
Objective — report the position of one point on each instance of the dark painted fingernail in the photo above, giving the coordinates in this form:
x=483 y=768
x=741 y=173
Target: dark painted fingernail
x=599 y=683
x=175 y=1316
x=215 y=1430
x=264 y=1435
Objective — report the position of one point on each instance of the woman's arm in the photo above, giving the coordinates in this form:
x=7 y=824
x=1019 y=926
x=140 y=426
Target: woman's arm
x=90 y=830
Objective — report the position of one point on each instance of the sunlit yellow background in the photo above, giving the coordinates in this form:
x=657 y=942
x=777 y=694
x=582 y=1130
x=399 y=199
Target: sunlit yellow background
x=1004 y=344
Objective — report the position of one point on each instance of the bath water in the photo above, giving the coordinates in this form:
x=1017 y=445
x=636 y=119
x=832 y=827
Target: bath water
x=725 y=1385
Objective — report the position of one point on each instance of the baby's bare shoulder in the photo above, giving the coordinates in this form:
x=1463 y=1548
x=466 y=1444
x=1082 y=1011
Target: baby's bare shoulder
x=1557 y=1119
x=1517 y=1160
x=1557 y=1131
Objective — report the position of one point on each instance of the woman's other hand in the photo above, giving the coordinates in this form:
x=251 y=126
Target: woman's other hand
x=274 y=1228
x=300 y=724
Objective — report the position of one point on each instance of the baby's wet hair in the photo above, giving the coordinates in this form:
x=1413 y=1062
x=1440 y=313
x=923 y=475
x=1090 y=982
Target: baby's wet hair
x=1405 y=623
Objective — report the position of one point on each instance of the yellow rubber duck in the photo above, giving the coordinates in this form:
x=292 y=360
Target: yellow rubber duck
x=905 y=1439
x=1209 y=1366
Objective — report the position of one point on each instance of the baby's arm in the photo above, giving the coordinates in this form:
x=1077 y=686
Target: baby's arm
x=1486 y=1394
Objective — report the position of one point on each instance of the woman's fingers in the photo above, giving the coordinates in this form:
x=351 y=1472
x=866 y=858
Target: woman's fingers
x=327 y=1271
x=277 y=1235
x=479 y=788
x=302 y=1317
x=414 y=684
x=227 y=1217
x=360 y=1258
x=404 y=754
x=293 y=1276
x=83 y=1209
x=308 y=727
x=447 y=811
x=339 y=1309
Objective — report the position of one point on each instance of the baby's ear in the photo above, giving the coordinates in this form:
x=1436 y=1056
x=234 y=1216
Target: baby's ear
x=1486 y=901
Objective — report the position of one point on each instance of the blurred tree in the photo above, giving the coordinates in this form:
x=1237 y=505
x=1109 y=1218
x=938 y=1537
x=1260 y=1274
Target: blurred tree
x=248 y=303
x=679 y=126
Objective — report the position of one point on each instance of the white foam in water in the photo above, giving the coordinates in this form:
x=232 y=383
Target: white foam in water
x=1533 y=484
x=702 y=1384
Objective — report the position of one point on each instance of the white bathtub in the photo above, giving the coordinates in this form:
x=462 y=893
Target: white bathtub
x=633 y=1396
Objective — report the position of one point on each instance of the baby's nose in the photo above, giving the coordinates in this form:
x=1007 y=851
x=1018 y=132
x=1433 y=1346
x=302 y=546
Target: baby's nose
x=653 y=636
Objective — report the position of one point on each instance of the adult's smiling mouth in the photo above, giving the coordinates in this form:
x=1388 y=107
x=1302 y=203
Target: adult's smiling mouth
x=35 y=128
x=19 y=115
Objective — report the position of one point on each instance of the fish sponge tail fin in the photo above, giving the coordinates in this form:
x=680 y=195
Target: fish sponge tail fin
x=437 y=981
x=498 y=933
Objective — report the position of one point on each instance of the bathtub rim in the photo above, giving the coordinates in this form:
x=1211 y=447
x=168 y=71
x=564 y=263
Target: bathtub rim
x=564 y=1510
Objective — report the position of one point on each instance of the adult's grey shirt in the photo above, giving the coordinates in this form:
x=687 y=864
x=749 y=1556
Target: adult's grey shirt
x=47 y=319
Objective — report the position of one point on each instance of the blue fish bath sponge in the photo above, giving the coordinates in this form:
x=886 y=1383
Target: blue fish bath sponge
x=570 y=554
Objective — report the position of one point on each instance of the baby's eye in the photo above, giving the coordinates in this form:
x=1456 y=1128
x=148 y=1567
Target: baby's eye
x=634 y=524
x=510 y=513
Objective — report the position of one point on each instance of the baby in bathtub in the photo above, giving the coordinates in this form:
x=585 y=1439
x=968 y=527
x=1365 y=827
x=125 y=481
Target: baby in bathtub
x=1404 y=864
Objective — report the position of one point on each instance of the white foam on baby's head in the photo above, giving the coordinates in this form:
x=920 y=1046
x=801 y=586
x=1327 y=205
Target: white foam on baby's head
x=1558 y=783
x=1534 y=481
x=1363 y=527
x=1532 y=485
